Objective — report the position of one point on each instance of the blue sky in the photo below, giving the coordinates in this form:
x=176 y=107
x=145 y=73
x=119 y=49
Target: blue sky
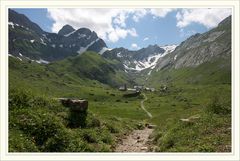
x=131 y=28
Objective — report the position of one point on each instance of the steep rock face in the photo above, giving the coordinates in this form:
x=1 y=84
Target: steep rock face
x=200 y=48
x=28 y=40
x=202 y=58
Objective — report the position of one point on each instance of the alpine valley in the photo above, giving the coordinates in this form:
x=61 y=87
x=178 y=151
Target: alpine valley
x=180 y=92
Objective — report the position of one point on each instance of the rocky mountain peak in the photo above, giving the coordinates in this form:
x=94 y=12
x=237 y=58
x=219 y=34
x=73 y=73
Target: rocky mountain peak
x=226 y=21
x=66 y=29
x=20 y=20
x=50 y=46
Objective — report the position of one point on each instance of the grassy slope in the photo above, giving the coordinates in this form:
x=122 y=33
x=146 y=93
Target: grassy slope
x=216 y=72
x=92 y=66
x=210 y=132
x=203 y=91
x=106 y=105
x=190 y=92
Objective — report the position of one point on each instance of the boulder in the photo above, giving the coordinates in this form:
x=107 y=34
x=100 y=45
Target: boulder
x=77 y=105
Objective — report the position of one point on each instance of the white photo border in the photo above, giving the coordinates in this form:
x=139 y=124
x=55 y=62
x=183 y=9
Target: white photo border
x=6 y=4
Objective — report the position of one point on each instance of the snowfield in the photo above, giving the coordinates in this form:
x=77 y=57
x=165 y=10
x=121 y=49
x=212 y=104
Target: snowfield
x=151 y=61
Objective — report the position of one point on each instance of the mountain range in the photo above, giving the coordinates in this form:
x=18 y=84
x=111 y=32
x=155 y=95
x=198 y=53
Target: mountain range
x=28 y=39
x=155 y=63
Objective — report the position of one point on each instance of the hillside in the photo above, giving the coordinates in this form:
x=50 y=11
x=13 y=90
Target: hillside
x=84 y=69
x=40 y=123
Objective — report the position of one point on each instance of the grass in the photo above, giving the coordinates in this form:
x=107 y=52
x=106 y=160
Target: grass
x=208 y=108
x=216 y=72
x=38 y=123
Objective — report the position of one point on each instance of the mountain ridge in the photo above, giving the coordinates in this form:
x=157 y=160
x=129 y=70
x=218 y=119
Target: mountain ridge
x=29 y=40
x=143 y=63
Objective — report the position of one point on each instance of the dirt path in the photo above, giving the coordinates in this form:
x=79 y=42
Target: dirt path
x=137 y=141
x=142 y=106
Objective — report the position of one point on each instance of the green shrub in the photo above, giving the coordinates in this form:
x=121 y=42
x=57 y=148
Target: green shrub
x=112 y=127
x=93 y=121
x=37 y=123
x=64 y=141
x=58 y=142
x=20 y=99
x=106 y=137
x=20 y=142
x=206 y=148
x=218 y=105
x=90 y=136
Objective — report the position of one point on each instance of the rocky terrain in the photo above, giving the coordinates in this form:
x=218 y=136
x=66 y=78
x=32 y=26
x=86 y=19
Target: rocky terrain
x=201 y=48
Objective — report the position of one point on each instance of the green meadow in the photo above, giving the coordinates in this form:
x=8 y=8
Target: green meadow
x=191 y=115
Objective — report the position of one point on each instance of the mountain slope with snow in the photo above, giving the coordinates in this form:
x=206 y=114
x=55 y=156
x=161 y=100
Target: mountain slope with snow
x=31 y=41
x=141 y=59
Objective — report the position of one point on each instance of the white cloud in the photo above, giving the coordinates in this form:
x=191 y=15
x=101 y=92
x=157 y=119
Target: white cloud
x=109 y=24
x=118 y=33
x=207 y=17
x=139 y=13
x=120 y=19
x=145 y=39
x=161 y=12
x=134 y=46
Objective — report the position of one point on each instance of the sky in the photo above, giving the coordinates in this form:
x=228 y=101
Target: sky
x=131 y=28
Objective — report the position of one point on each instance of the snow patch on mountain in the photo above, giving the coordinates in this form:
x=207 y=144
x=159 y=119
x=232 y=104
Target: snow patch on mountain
x=169 y=48
x=81 y=35
x=42 y=42
x=70 y=33
x=17 y=25
x=103 y=50
x=19 y=58
x=150 y=61
x=41 y=61
x=11 y=24
x=175 y=57
x=149 y=73
x=83 y=49
x=11 y=55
